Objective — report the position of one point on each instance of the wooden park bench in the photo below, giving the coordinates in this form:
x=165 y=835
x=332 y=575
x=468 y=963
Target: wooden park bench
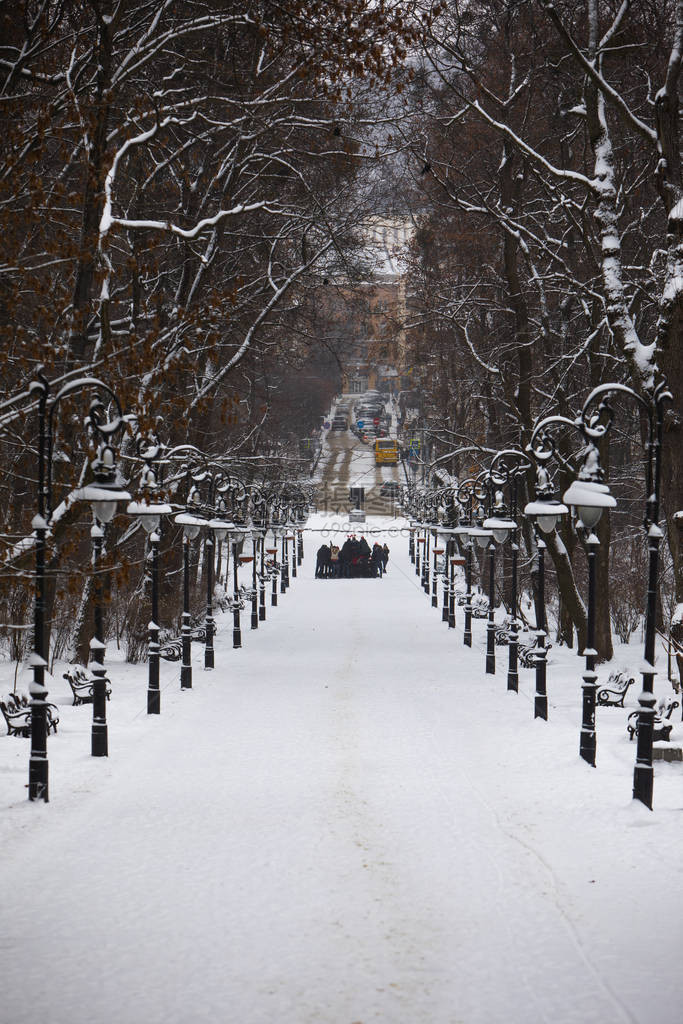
x=81 y=681
x=661 y=728
x=17 y=713
x=612 y=694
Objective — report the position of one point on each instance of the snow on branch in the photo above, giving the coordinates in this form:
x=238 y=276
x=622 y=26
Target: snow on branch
x=608 y=91
x=533 y=154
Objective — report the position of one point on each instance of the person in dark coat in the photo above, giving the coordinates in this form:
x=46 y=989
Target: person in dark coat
x=345 y=556
x=363 y=548
x=376 y=561
x=385 y=557
x=322 y=562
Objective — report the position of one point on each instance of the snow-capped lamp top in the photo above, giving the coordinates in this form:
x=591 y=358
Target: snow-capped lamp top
x=149 y=513
x=500 y=527
x=589 y=498
x=546 y=513
x=221 y=528
x=191 y=524
x=106 y=490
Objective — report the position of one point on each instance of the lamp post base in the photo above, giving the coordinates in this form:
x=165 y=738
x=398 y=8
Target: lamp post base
x=588 y=741
x=643 y=774
x=99 y=740
x=38 y=779
x=490 y=649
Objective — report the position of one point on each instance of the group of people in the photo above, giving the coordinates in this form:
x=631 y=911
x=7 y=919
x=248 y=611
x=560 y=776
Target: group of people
x=354 y=558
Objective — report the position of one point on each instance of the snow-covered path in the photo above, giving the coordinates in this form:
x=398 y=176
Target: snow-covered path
x=345 y=822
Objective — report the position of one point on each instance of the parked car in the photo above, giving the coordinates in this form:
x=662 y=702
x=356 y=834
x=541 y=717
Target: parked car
x=339 y=423
x=390 y=489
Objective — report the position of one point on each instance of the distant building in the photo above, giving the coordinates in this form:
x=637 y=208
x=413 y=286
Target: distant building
x=374 y=351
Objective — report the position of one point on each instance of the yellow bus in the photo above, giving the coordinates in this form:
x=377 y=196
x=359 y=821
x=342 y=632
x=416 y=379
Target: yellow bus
x=386 y=451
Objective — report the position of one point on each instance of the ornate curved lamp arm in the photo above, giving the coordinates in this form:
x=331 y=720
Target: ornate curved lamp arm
x=597 y=416
x=94 y=421
x=510 y=463
x=541 y=446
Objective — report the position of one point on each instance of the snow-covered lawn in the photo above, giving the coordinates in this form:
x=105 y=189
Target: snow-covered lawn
x=346 y=821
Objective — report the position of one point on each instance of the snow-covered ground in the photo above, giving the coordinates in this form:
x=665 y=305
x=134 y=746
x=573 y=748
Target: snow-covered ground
x=346 y=821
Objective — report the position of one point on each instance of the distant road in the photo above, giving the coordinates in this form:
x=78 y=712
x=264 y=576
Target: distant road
x=347 y=462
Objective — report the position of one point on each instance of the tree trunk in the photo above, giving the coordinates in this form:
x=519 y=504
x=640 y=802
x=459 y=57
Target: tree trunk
x=573 y=603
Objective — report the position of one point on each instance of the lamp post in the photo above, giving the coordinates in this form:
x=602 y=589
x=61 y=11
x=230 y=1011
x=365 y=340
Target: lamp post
x=218 y=529
x=262 y=576
x=236 y=536
x=411 y=541
x=596 y=420
x=103 y=495
x=191 y=525
x=256 y=537
x=491 y=626
x=506 y=467
x=484 y=540
x=437 y=552
x=149 y=512
x=426 y=558
x=302 y=519
x=260 y=503
x=544 y=513
x=448 y=571
x=589 y=497
x=284 y=558
x=291 y=538
x=464 y=494
x=195 y=468
x=275 y=529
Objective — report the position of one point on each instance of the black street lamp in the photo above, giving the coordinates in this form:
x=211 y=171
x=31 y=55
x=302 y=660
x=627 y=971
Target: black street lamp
x=544 y=513
x=447 y=574
x=256 y=538
x=262 y=576
x=103 y=494
x=589 y=497
x=411 y=540
x=218 y=530
x=291 y=539
x=506 y=467
x=465 y=494
x=484 y=540
x=191 y=525
x=149 y=512
x=438 y=550
x=284 y=558
x=260 y=512
x=597 y=418
x=419 y=550
x=275 y=571
x=426 y=554
x=237 y=535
